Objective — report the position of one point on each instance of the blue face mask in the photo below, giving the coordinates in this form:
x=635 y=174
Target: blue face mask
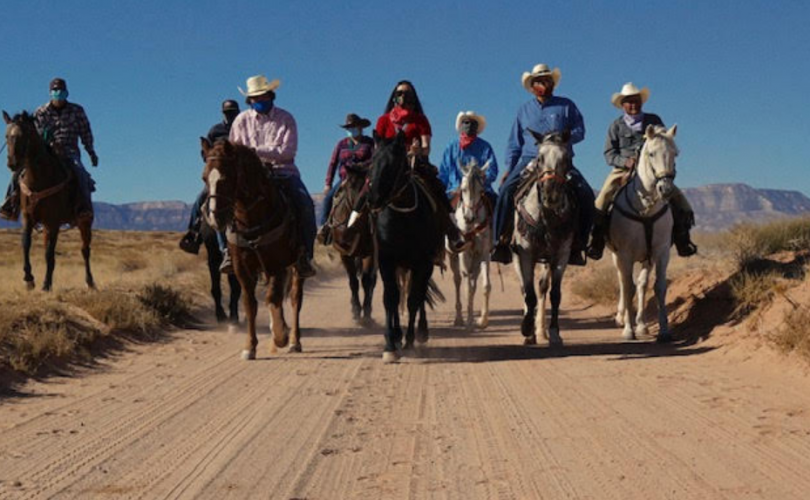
x=59 y=95
x=262 y=106
x=353 y=132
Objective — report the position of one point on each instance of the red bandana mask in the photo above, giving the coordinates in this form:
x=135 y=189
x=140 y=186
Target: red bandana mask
x=465 y=140
x=399 y=115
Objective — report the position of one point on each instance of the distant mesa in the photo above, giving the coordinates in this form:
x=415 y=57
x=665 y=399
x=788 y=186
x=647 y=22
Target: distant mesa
x=717 y=207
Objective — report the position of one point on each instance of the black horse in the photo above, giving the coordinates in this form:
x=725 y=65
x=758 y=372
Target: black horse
x=209 y=237
x=408 y=236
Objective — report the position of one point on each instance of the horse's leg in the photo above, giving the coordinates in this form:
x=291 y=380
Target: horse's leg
x=455 y=268
x=51 y=236
x=214 y=260
x=87 y=237
x=393 y=332
x=619 y=318
x=642 y=281
x=422 y=332
x=248 y=282
x=26 y=247
x=354 y=285
x=369 y=282
x=275 y=301
x=483 y=321
x=627 y=289
x=525 y=270
x=557 y=274
x=236 y=292
x=420 y=280
x=661 y=296
x=473 y=269
x=296 y=301
x=542 y=290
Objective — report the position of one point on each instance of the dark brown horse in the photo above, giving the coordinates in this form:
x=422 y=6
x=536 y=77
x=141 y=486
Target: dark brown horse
x=47 y=196
x=262 y=237
x=355 y=245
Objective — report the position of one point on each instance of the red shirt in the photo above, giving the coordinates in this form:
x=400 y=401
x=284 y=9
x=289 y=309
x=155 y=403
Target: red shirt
x=415 y=127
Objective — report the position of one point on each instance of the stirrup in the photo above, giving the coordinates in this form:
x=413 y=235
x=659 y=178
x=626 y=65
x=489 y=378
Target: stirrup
x=686 y=249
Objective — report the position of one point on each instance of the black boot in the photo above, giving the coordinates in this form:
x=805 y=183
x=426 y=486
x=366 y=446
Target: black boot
x=191 y=242
x=597 y=246
x=304 y=266
x=501 y=253
x=10 y=209
x=576 y=258
x=456 y=241
x=680 y=233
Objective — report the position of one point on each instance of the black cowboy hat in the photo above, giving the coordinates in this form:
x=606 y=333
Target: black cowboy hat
x=230 y=105
x=354 y=121
x=58 y=84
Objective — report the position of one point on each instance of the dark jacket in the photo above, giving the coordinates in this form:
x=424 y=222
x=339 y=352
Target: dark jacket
x=622 y=142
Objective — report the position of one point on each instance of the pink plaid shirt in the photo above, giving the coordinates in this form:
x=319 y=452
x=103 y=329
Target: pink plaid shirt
x=274 y=136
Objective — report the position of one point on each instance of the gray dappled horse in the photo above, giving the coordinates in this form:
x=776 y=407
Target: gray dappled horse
x=641 y=231
x=546 y=220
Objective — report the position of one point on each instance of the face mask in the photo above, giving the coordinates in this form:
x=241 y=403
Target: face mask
x=469 y=128
x=353 y=132
x=230 y=116
x=262 y=106
x=59 y=95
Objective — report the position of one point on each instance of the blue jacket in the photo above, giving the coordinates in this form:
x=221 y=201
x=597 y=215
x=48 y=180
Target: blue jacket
x=480 y=150
x=556 y=115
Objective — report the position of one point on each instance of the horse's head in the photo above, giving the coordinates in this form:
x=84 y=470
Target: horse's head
x=221 y=177
x=472 y=187
x=552 y=164
x=656 y=165
x=21 y=134
x=388 y=171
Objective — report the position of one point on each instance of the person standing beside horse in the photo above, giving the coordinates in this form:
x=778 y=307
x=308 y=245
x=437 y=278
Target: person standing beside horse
x=624 y=140
x=353 y=151
x=403 y=113
x=62 y=124
x=273 y=134
x=220 y=131
x=544 y=114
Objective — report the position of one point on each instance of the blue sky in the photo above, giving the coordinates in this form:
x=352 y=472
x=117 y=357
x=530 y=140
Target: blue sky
x=151 y=75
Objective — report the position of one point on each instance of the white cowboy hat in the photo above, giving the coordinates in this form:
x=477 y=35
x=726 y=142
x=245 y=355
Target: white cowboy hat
x=540 y=70
x=627 y=90
x=482 y=122
x=258 y=85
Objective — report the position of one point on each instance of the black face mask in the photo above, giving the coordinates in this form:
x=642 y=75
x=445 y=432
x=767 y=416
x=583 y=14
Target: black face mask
x=230 y=116
x=402 y=98
x=469 y=128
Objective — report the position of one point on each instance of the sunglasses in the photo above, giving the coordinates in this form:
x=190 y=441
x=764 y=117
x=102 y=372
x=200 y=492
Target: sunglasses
x=401 y=92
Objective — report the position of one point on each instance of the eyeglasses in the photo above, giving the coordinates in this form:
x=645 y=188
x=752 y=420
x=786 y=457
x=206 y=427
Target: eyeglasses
x=398 y=93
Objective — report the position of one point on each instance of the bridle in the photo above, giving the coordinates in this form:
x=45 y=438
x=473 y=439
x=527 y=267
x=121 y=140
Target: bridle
x=403 y=182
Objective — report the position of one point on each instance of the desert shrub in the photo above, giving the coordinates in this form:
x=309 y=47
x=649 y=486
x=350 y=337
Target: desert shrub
x=794 y=334
x=750 y=290
x=749 y=243
x=120 y=310
x=171 y=305
x=600 y=286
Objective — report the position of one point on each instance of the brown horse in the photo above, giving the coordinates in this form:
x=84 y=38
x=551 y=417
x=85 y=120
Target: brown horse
x=355 y=245
x=47 y=196
x=262 y=238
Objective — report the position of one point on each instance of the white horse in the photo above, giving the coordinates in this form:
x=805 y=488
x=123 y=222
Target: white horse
x=641 y=231
x=545 y=222
x=474 y=220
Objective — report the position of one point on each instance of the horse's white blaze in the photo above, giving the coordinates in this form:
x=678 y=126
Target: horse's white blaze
x=353 y=218
x=213 y=180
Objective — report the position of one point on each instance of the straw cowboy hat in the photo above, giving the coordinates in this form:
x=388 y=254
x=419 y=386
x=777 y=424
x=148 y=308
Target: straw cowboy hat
x=482 y=122
x=258 y=85
x=628 y=90
x=354 y=121
x=540 y=70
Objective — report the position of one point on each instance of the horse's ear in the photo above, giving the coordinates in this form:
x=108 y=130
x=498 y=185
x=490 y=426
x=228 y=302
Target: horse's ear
x=462 y=167
x=538 y=137
x=486 y=166
x=649 y=133
x=672 y=130
x=6 y=118
x=400 y=138
x=377 y=139
x=206 y=145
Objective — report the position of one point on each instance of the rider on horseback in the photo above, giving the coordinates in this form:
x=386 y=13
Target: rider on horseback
x=61 y=123
x=353 y=151
x=624 y=140
x=544 y=114
x=467 y=148
x=219 y=132
x=273 y=134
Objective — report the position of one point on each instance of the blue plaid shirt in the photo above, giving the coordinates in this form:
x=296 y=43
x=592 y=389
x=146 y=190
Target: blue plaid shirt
x=64 y=127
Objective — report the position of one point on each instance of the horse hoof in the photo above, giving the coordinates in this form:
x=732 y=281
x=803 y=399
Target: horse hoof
x=248 y=355
x=390 y=357
x=530 y=340
x=664 y=338
x=555 y=342
x=458 y=321
x=284 y=342
x=29 y=285
x=91 y=285
x=641 y=331
x=294 y=348
x=482 y=324
x=619 y=321
x=628 y=335
x=232 y=329
x=422 y=337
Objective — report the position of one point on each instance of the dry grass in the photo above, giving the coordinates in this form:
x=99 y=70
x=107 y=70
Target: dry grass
x=144 y=284
x=750 y=243
x=751 y=290
x=600 y=286
x=794 y=335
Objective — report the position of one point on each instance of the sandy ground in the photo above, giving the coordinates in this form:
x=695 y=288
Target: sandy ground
x=471 y=415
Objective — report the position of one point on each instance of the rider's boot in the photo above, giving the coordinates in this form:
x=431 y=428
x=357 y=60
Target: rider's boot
x=304 y=266
x=502 y=252
x=191 y=242
x=597 y=246
x=455 y=239
x=325 y=235
x=11 y=208
x=577 y=258
x=684 y=220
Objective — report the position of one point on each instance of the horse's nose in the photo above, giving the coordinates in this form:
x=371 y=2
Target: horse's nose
x=665 y=188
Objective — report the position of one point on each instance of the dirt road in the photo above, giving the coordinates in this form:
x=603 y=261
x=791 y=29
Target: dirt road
x=473 y=415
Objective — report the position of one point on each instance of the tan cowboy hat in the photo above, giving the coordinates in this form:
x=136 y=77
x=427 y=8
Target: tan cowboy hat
x=258 y=85
x=482 y=122
x=627 y=90
x=540 y=70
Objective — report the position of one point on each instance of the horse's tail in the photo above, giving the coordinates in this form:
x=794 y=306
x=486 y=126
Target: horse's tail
x=434 y=295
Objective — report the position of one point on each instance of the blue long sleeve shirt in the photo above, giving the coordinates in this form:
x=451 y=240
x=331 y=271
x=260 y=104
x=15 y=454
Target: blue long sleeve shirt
x=480 y=151
x=555 y=115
